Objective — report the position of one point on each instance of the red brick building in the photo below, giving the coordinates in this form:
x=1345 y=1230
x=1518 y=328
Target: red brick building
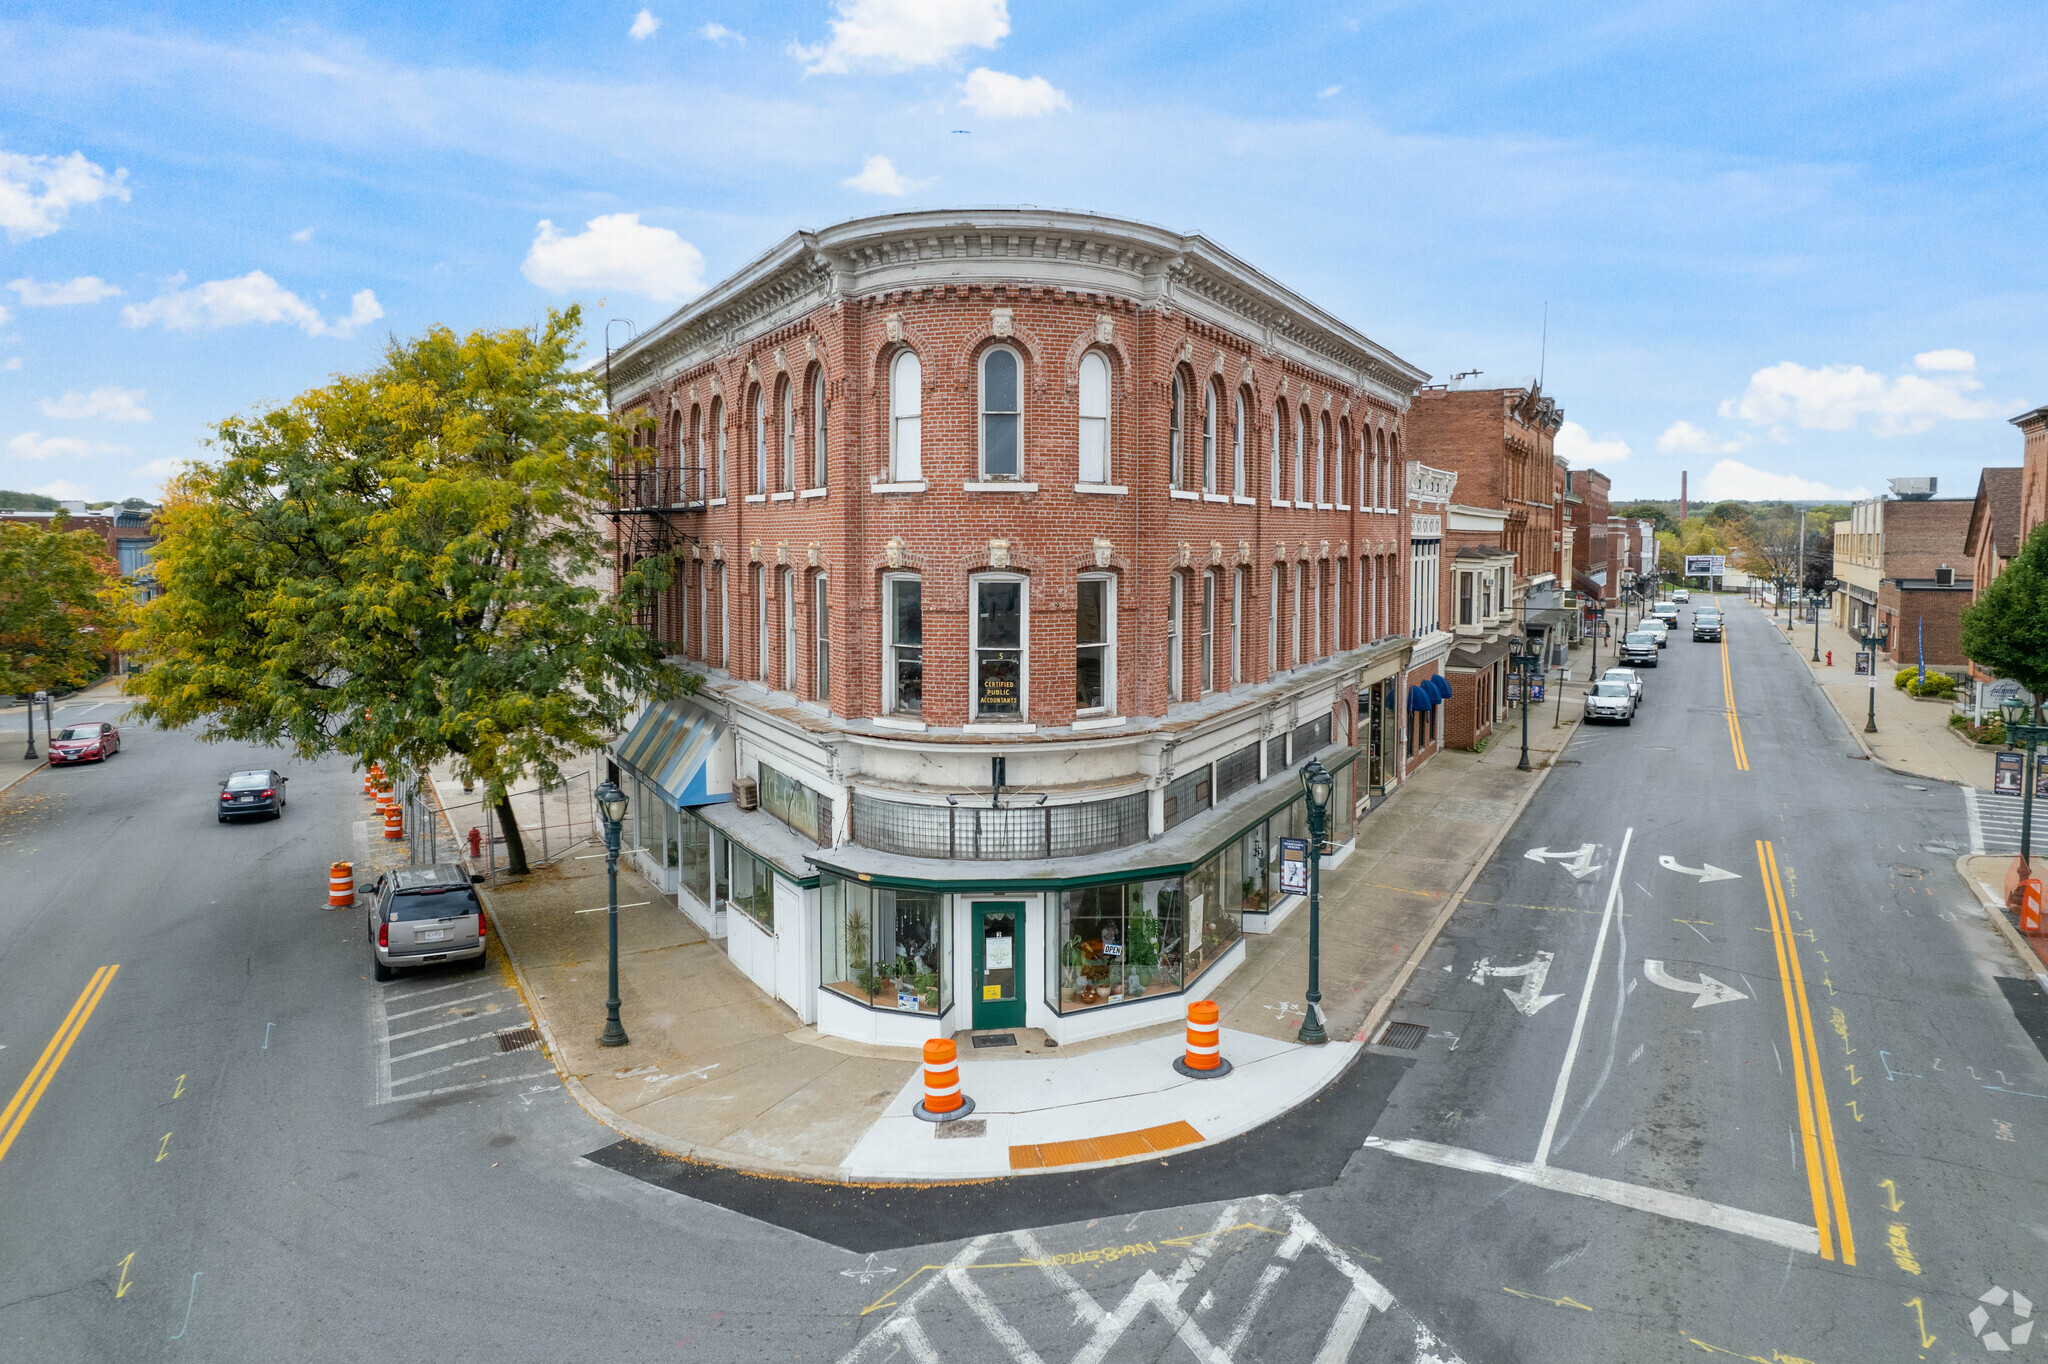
x=1018 y=548
x=1925 y=577
x=1594 y=576
x=2034 y=460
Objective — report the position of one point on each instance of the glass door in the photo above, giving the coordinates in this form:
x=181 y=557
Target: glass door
x=998 y=965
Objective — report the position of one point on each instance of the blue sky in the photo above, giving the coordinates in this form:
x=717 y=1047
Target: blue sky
x=1793 y=250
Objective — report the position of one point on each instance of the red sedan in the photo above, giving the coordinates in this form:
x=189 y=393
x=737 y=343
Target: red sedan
x=95 y=742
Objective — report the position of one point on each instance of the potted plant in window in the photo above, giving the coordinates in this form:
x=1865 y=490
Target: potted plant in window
x=1141 y=950
x=1073 y=960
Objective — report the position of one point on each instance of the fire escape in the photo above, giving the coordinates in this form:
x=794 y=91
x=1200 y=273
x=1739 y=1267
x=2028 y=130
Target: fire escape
x=653 y=512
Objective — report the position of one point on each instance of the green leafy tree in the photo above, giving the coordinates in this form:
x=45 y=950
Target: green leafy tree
x=405 y=567
x=2005 y=631
x=60 y=606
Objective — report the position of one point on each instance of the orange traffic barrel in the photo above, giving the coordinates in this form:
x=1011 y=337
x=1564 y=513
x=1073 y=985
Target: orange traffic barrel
x=943 y=1101
x=341 y=886
x=384 y=798
x=394 y=821
x=2030 y=907
x=1204 y=1059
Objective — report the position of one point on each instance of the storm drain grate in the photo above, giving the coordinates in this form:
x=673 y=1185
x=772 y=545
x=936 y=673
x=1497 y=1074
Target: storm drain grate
x=996 y=1039
x=1407 y=1036
x=518 y=1039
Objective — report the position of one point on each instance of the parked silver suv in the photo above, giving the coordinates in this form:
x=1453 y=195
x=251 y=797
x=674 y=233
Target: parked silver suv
x=423 y=916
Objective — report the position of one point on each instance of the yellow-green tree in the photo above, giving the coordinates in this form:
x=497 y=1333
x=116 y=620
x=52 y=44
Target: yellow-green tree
x=398 y=567
x=59 y=606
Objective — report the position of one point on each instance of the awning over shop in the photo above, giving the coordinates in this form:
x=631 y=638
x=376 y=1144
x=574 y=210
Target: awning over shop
x=1421 y=698
x=680 y=749
x=1439 y=685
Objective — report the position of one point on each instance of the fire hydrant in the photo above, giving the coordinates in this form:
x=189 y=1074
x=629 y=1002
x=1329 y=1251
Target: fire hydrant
x=1831 y=658
x=476 y=841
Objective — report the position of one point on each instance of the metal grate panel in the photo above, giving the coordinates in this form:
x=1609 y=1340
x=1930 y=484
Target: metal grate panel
x=1407 y=1036
x=518 y=1039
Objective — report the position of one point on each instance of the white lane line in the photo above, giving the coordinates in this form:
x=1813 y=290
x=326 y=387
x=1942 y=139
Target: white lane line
x=436 y=1027
x=1571 y=1055
x=1976 y=823
x=380 y=1025
x=1679 y=1207
x=459 y=1042
x=453 y=1004
x=471 y=1063
x=480 y=1084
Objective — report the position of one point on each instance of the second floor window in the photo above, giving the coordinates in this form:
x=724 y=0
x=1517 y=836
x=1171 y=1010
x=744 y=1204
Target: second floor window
x=1322 y=432
x=821 y=624
x=820 y=415
x=718 y=441
x=1277 y=490
x=1001 y=413
x=1208 y=678
x=1273 y=623
x=788 y=471
x=1301 y=455
x=1209 y=439
x=1094 y=644
x=760 y=443
x=1094 y=433
x=1239 y=580
x=786 y=584
x=1237 y=469
x=903 y=647
x=999 y=651
x=1175 y=587
x=906 y=409
x=1176 y=474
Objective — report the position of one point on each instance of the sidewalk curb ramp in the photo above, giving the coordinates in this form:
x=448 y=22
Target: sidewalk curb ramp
x=2030 y=958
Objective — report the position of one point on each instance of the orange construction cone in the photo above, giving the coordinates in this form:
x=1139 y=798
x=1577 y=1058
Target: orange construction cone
x=341 y=886
x=943 y=1101
x=1204 y=1059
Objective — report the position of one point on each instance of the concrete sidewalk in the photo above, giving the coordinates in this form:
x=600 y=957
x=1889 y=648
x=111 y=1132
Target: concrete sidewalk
x=719 y=1072
x=15 y=769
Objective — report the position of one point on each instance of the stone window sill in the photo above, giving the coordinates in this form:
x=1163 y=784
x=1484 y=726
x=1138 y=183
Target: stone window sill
x=1216 y=497
x=1243 y=501
x=782 y=497
x=997 y=727
x=1183 y=495
x=715 y=502
x=1100 y=721
x=904 y=722
x=917 y=486
x=757 y=497
x=1102 y=489
x=812 y=492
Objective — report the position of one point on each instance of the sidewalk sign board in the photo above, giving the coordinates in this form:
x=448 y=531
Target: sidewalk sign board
x=2005 y=776
x=1294 y=866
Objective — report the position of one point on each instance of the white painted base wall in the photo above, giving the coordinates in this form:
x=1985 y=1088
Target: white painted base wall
x=752 y=949
x=839 y=1016
x=1082 y=1027
x=693 y=909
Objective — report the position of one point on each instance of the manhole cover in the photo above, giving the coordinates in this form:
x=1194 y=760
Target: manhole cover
x=518 y=1039
x=998 y=1039
x=1407 y=1036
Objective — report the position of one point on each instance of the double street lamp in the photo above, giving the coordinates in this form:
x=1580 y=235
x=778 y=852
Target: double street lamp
x=1872 y=642
x=611 y=804
x=1317 y=783
x=1526 y=663
x=2023 y=736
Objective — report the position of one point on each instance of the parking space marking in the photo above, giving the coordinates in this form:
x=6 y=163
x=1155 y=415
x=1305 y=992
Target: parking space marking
x=471 y=1062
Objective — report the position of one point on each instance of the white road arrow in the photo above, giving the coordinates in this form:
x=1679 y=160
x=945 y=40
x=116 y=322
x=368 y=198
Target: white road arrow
x=1706 y=871
x=1709 y=990
x=1579 y=863
x=1530 y=997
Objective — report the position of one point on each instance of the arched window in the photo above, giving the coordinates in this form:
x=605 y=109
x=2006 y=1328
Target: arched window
x=1322 y=459
x=1337 y=461
x=1301 y=454
x=1209 y=438
x=1001 y=413
x=760 y=407
x=1174 y=473
x=1278 y=492
x=693 y=483
x=820 y=424
x=718 y=440
x=786 y=476
x=1094 y=433
x=906 y=418
x=1237 y=469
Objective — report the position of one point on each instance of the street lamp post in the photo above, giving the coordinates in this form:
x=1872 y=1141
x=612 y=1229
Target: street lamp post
x=1317 y=782
x=1522 y=661
x=1871 y=641
x=2024 y=736
x=611 y=803
x=31 y=754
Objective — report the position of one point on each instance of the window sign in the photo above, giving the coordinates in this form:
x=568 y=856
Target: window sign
x=998 y=950
x=1294 y=866
x=999 y=640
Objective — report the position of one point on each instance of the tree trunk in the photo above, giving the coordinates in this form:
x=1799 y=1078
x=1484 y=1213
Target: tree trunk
x=515 y=849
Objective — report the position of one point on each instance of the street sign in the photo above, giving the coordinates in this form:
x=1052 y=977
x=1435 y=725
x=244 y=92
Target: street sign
x=2005 y=775
x=1294 y=866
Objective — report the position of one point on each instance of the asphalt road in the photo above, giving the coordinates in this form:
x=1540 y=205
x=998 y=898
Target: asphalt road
x=249 y=1153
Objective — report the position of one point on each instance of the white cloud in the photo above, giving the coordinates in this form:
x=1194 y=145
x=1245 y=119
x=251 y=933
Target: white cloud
x=616 y=251
x=62 y=489
x=84 y=289
x=1949 y=360
x=163 y=470
x=4 y=315
x=1733 y=481
x=1329 y=90
x=996 y=94
x=107 y=404
x=898 y=35
x=13 y=361
x=35 y=445
x=1838 y=397
x=1581 y=451
x=1683 y=438
x=880 y=176
x=644 y=25
x=255 y=297
x=37 y=192
x=303 y=235
x=720 y=34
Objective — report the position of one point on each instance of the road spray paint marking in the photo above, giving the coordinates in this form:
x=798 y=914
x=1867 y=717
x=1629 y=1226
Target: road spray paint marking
x=1920 y=1320
x=1564 y=1074
x=1901 y=1249
x=266 y=1035
x=1892 y=1202
x=190 y=1294
x=121 y=1288
x=163 y=1149
x=1538 y=1297
x=1807 y=1086
x=25 y=1099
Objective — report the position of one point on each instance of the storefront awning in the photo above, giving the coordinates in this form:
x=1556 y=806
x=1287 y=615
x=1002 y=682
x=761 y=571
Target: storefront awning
x=1438 y=684
x=680 y=749
x=1421 y=696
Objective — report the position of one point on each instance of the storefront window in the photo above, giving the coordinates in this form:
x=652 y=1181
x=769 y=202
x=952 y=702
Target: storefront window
x=672 y=836
x=885 y=948
x=1212 y=926
x=1118 y=942
x=753 y=887
x=1344 y=805
x=695 y=859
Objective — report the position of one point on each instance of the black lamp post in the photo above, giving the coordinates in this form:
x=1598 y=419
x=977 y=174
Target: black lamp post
x=2023 y=736
x=611 y=804
x=31 y=754
x=1871 y=640
x=1525 y=661
x=1318 y=783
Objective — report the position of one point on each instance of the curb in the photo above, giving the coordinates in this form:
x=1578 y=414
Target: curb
x=39 y=767
x=2029 y=958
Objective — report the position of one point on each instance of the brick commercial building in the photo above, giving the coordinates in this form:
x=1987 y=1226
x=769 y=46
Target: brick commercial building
x=2034 y=460
x=1905 y=568
x=1592 y=575
x=1028 y=556
x=1992 y=540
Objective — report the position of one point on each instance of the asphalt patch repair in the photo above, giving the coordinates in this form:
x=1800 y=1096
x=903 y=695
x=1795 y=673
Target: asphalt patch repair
x=1305 y=1148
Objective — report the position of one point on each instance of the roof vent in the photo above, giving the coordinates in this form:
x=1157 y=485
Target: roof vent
x=1944 y=576
x=1914 y=489
x=746 y=793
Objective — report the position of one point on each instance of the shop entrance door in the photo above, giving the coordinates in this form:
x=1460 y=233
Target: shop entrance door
x=998 y=965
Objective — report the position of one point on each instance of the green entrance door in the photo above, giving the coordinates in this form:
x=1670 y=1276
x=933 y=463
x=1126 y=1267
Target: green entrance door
x=998 y=990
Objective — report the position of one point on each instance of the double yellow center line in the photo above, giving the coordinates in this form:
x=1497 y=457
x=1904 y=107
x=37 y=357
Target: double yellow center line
x=1816 y=1124
x=1728 y=698
x=31 y=1092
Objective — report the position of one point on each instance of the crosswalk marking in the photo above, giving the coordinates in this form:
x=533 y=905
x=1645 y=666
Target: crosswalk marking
x=1995 y=822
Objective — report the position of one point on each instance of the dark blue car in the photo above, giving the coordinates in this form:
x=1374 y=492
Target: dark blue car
x=252 y=793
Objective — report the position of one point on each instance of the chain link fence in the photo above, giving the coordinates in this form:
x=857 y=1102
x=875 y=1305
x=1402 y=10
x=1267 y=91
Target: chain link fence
x=553 y=820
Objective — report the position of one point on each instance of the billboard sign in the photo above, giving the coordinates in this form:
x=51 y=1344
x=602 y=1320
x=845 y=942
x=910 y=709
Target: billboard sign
x=1706 y=565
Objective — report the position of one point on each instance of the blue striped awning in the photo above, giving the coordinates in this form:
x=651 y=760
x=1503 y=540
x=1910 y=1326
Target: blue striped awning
x=680 y=749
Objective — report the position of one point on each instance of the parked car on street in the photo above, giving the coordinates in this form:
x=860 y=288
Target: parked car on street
x=423 y=916
x=1611 y=701
x=259 y=792
x=1633 y=678
x=1659 y=629
x=1639 y=648
x=1666 y=611
x=1706 y=624
x=96 y=741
